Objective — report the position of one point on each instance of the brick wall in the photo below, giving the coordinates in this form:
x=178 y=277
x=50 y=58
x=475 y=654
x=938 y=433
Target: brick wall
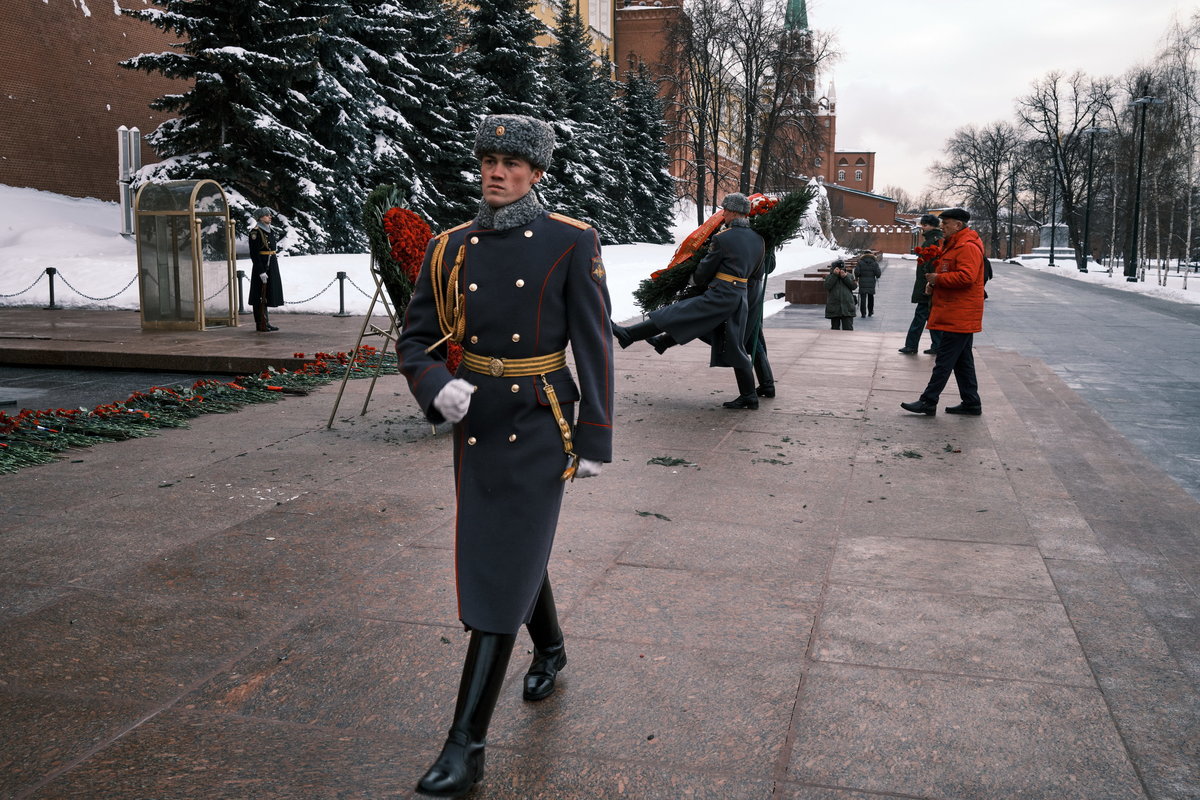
x=62 y=95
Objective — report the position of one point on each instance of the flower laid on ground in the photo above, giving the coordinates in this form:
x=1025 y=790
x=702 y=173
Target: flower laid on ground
x=37 y=437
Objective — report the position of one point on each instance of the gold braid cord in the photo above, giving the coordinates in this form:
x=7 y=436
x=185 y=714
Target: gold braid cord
x=451 y=318
x=564 y=430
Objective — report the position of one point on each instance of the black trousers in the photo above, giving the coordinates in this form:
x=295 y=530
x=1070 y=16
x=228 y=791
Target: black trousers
x=953 y=357
x=920 y=317
x=866 y=302
x=842 y=323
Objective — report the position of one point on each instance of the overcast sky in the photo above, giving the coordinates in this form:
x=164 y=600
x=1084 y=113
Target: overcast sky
x=913 y=73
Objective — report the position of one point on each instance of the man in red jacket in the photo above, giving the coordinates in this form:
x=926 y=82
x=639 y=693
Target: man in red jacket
x=956 y=289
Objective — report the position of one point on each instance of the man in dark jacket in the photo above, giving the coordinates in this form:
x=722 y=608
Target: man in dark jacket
x=927 y=253
x=515 y=287
x=867 y=272
x=266 y=286
x=719 y=314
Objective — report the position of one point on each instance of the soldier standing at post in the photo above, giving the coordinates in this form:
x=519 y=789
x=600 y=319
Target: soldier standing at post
x=514 y=286
x=266 y=286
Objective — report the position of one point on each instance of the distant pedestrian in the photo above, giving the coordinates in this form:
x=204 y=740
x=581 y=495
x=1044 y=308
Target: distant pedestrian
x=957 y=311
x=927 y=253
x=839 y=303
x=266 y=285
x=867 y=273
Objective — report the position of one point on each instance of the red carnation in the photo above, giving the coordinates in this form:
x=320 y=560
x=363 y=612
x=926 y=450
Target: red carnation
x=407 y=235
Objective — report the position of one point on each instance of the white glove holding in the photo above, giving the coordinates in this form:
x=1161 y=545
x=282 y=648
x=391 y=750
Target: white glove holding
x=262 y=276
x=454 y=399
x=586 y=468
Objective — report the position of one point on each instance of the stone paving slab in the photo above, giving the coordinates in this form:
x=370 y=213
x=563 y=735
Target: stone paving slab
x=258 y=606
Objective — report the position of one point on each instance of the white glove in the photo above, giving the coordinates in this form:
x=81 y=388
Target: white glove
x=262 y=276
x=454 y=399
x=586 y=468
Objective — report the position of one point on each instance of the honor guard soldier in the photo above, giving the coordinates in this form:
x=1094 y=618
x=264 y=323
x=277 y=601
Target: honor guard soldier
x=719 y=315
x=514 y=287
x=266 y=287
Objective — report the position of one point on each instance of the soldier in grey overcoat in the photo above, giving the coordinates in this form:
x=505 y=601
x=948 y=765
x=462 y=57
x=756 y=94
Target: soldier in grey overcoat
x=514 y=287
x=719 y=315
x=266 y=285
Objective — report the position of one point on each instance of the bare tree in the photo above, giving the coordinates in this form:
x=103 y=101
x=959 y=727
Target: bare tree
x=979 y=168
x=1057 y=111
x=904 y=201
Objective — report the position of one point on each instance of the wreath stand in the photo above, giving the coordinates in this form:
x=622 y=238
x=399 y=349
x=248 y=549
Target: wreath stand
x=390 y=336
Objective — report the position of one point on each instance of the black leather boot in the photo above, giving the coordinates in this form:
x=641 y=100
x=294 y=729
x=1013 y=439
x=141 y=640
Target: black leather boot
x=634 y=333
x=662 y=342
x=460 y=765
x=747 y=398
x=549 y=649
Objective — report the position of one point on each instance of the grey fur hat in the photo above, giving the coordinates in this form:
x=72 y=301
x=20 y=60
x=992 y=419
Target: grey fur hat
x=516 y=135
x=259 y=213
x=736 y=202
x=931 y=219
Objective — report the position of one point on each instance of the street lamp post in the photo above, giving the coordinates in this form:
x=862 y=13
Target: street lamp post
x=1087 y=212
x=1053 y=203
x=1131 y=262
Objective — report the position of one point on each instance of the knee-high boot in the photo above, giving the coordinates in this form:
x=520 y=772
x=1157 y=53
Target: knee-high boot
x=549 y=649
x=662 y=342
x=460 y=765
x=635 y=333
x=746 y=399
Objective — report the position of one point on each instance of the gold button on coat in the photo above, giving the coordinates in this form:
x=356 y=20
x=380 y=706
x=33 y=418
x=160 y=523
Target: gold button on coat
x=516 y=387
x=474 y=340
x=473 y=286
x=528 y=234
x=471 y=440
x=516 y=337
x=520 y=282
x=474 y=240
x=512 y=437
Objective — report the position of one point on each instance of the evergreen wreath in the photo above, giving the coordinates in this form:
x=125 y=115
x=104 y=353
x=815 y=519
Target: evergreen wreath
x=777 y=221
x=398 y=237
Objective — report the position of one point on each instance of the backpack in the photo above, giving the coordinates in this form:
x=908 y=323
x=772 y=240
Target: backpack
x=987 y=270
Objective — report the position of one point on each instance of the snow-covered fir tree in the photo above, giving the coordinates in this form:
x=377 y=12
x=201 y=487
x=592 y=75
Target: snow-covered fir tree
x=427 y=127
x=240 y=122
x=577 y=182
x=645 y=155
x=617 y=179
x=503 y=34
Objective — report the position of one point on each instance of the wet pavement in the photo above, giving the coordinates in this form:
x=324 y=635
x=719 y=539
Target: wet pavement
x=826 y=599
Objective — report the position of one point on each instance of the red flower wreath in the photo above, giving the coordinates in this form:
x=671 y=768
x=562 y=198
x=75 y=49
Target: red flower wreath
x=407 y=236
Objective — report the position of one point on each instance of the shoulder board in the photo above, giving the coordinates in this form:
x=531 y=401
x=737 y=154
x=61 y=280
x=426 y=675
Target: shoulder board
x=569 y=220
x=453 y=230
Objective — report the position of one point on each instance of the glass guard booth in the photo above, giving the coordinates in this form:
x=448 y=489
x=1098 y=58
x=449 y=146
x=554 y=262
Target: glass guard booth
x=186 y=267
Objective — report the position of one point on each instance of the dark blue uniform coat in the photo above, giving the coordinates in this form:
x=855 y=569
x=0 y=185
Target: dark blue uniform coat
x=263 y=260
x=720 y=314
x=530 y=291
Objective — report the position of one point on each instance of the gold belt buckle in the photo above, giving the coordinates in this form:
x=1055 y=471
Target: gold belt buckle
x=496 y=367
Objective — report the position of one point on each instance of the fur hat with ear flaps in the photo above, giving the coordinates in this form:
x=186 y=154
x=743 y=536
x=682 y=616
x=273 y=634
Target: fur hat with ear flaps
x=736 y=202
x=516 y=135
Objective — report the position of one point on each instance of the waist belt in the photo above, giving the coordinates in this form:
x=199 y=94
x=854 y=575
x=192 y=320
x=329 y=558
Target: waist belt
x=514 y=367
x=266 y=252
x=734 y=279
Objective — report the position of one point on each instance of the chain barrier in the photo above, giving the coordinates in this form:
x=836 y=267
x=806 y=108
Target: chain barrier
x=370 y=296
x=35 y=283
x=310 y=299
x=217 y=292
x=97 y=299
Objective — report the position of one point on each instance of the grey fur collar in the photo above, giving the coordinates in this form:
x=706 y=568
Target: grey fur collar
x=513 y=215
x=738 y=222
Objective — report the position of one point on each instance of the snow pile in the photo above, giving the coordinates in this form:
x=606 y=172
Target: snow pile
x=1173 y=290
x=97 y=267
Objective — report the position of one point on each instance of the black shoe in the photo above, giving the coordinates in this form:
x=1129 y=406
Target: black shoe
x=272 y=328
x=765 y=391
x=908 y=351
x=748 y=402
x=920 y=407
x=930 y=352
x=539 y=680
x=963 y=408
x=457 y=769
x=622 y=336
x=662 y=342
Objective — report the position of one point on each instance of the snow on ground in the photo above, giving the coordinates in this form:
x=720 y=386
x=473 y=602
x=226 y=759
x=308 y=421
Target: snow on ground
x=1178 y=286
x=97 y=266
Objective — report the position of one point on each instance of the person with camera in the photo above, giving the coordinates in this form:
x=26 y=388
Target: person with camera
x=956 y=289
x=839 y=303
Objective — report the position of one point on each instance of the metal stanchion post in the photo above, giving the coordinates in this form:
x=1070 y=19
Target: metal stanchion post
x=240 y=275
x=51 y=271
x=341 y=276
